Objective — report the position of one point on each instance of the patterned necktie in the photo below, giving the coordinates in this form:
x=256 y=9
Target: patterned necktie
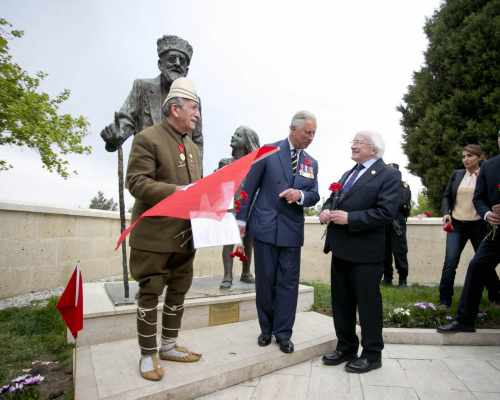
x=295 y=161
x=352 y=178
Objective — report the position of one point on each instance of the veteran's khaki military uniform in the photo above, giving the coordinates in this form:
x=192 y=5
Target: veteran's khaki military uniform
x=162 y=254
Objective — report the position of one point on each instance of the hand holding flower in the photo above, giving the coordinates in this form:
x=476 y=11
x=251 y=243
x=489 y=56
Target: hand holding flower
x=339 y=217
x=239 y=252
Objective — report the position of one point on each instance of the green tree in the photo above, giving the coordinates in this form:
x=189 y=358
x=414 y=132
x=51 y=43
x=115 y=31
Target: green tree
x=455 y=97
x=100 y=202
x=423 y=205
x=30 y=118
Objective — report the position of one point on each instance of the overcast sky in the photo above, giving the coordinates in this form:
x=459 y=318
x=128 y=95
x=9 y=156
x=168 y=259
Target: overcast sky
x=255 y=63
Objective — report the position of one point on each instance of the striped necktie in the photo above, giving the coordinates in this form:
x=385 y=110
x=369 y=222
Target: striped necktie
x=352 y=178
x=295 y=161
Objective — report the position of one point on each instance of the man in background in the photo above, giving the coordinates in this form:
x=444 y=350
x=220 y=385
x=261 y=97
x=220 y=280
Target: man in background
x=396 y=244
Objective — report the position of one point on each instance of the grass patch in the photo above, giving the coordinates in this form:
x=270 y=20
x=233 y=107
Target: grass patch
x=31 y=334
x=394 y=297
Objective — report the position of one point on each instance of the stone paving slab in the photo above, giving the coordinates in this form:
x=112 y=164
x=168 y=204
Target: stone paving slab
x=409 y=372
x=230 y=356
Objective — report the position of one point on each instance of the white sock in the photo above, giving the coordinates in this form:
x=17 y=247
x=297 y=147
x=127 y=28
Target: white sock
x=167 y=344
x=147 y=363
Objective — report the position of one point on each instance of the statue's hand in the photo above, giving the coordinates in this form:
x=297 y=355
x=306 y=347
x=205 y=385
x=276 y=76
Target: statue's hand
x=113 y=137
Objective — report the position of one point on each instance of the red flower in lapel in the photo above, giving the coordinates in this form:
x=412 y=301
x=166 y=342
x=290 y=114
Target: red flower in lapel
x=243 y=195
x=307 y=161
x=237 y=206
x=335 y=187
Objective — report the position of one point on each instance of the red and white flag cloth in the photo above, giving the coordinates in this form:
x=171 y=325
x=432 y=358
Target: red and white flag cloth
x=70 y=304
x=209 y=197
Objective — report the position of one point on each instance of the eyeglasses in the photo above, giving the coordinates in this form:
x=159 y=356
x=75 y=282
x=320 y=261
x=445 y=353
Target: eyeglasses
x=360 y=142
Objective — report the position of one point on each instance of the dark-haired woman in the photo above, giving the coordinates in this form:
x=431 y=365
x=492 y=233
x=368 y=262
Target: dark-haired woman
x=466 y=224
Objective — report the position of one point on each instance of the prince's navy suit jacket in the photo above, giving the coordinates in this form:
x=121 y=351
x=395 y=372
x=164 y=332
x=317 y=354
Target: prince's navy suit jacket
x=271 y=219
x=278 y=231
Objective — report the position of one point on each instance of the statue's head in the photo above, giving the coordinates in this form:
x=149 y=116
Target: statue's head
x=174 y=56
x=245 y=138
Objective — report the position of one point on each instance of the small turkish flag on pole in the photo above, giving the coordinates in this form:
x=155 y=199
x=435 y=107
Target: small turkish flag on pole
x=70 y=304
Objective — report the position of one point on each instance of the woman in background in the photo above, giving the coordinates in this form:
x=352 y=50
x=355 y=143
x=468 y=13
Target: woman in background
x=462 y=224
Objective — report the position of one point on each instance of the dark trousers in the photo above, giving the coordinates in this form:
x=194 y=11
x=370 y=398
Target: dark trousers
x=397 y=246
x=357 y=286
x=277 y=271
x=455 y=243
x=480 y=269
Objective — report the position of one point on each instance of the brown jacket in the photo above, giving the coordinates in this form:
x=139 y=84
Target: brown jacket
x=155 y=170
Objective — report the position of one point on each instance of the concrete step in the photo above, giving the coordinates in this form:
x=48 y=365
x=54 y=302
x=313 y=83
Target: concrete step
x=230 y=356
x=205 y=305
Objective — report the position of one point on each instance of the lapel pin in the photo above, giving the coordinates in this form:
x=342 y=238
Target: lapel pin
x=373 y=172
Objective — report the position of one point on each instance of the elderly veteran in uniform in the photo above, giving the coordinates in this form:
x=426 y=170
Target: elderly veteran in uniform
x=163 y=159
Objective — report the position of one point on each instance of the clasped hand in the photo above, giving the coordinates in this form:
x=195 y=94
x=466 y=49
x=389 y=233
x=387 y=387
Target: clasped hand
x=493 y=217
x=290 y=195
x=338 y=217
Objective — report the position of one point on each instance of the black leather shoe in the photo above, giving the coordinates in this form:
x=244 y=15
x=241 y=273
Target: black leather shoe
x=361 y=365
x=286 y=346
x=455 y=326
x=402 y=283
x=337 y=357
x=264 y=339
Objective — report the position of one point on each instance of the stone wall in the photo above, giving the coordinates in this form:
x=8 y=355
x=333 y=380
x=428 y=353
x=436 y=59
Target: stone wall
x=39 y=247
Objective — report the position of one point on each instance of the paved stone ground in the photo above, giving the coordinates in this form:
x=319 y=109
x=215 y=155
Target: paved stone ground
x=409 y=372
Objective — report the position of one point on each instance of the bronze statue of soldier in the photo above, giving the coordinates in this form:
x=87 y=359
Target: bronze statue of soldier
x=142 y=108
x=243 y=141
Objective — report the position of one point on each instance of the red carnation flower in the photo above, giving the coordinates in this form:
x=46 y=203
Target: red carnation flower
x=237 y=206
x=240 y=253
x=335 y=187
x=243 y=195
x=307 y=161
x=448 y=227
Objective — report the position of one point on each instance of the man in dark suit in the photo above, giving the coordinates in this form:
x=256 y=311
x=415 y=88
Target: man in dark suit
x=487 y=256
x=279 y=187
x=356 y=235
x=396 y=244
